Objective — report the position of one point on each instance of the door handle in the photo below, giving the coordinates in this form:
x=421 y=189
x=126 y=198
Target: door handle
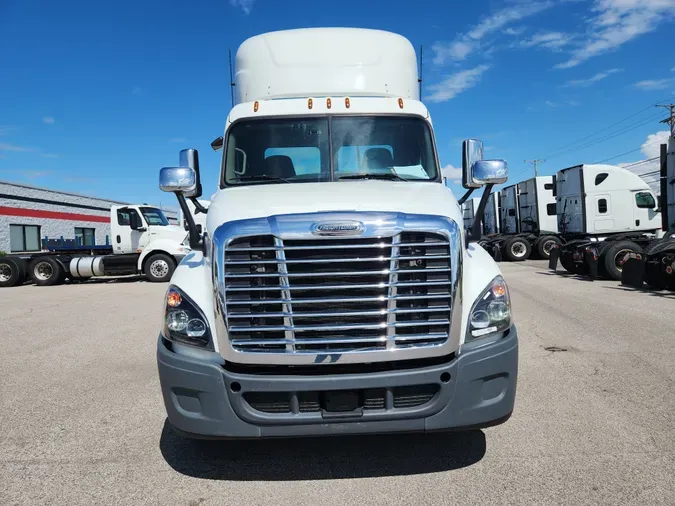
x=119 y=239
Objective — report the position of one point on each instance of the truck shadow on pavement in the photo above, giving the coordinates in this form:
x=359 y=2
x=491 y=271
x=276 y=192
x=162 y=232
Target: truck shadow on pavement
x=339 y=457
x=561 y=274
x=656 y=293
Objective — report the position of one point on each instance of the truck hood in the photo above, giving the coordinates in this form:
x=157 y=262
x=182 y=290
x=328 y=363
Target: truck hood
x=258 y=201
x=171 y=232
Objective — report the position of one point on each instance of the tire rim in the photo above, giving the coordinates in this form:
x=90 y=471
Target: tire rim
x=43 y=271
x=518 y=249
x=5 y=272
x=621 y=257
x=159 y=268
x=547 y=247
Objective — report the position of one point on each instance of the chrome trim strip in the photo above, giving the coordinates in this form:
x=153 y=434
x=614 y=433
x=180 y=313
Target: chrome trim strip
x=380 y=245
x=335 y=260
x=328 y=314
x=378 y=225
x=337 y=273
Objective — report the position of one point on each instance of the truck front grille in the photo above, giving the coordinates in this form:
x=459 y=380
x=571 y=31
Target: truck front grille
x=338 y=294
x=368 y=399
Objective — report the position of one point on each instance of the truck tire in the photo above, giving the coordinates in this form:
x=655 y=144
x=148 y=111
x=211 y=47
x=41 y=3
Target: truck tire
x=12 y=271
x=159 y=268
x=655 y=275
x=517 y=249
x=613 y=256
x=545 y=244
x=46 y=271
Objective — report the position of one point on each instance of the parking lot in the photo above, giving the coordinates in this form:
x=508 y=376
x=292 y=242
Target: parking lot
x=83 y=421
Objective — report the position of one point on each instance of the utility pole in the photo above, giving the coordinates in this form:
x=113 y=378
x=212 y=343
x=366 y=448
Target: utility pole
x=671 y=118
x=535 y=163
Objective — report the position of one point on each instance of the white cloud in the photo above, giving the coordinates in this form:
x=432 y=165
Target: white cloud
x=452 y=173
x=652 y=146
x=615 y=22
x=549 y=40
x=49 y=120
x=455 y=84
x=464 y=44
x=654 y=84
x=647 y=168
x=514 y=31
x=592 y=80
x=177 y=140
x=245 y=5
x=4 y=146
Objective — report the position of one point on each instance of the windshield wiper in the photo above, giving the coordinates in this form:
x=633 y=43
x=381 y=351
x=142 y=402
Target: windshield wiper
x=262 y=177
x=387 y=176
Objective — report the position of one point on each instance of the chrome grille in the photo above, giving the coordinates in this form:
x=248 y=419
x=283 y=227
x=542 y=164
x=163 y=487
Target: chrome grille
x=333 y=295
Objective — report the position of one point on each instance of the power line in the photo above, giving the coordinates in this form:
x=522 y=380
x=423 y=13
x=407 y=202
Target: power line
x=603 y=129
x=629 y=152
x=612 y=135
x=641 y=162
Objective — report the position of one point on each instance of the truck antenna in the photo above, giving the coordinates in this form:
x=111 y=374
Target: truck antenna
x=232 y=83
x=419 y=79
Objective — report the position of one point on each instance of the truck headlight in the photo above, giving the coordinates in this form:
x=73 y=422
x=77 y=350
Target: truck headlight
x=184 y=322
x=491 y=313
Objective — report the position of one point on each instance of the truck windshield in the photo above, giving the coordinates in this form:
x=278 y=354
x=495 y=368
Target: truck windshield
x=154 y=216
x=298 y=150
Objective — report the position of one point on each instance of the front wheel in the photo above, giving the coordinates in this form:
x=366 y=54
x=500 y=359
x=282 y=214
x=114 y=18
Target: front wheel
x=159 y=268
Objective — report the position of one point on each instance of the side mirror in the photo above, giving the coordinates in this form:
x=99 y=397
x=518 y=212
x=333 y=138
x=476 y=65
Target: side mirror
x=178 y=180
x=490 y=172
x=217 y=143
x=472 y=152
x=135 y=222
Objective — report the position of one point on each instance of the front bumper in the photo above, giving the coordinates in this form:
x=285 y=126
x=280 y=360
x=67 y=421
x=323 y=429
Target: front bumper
x=475 y=389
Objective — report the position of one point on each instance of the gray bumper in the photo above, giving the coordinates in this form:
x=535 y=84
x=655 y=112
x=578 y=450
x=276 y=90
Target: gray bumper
x=476 y=389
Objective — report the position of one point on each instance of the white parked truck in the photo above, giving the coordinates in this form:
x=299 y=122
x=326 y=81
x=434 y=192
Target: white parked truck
x=605 y=213
x=655 y=265
x=528 y=221
x=334 y=289
x=142 y=242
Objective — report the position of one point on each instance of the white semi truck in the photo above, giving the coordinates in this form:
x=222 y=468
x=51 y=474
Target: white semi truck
x=142 y=242
x=334 y=289
x=527 y=220
x=605 y=214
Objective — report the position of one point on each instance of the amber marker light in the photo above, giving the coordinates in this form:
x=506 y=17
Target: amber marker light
x=400 y=103
x=328 y=103
x=255 y=106
x=499 y=290
x=347 y=103
x=173 y=298
x=310 y=103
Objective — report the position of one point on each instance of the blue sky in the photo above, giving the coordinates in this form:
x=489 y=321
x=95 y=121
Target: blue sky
x=95 y=97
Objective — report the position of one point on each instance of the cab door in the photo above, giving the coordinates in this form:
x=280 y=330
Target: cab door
x=130 y=233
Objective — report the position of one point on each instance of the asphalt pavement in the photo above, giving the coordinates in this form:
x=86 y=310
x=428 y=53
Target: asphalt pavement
x=83 y=420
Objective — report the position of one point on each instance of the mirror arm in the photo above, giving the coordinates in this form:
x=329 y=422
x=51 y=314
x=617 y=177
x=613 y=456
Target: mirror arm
x=478 y=215
x=465 y=196
x=198 y=207
x=195 y=240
